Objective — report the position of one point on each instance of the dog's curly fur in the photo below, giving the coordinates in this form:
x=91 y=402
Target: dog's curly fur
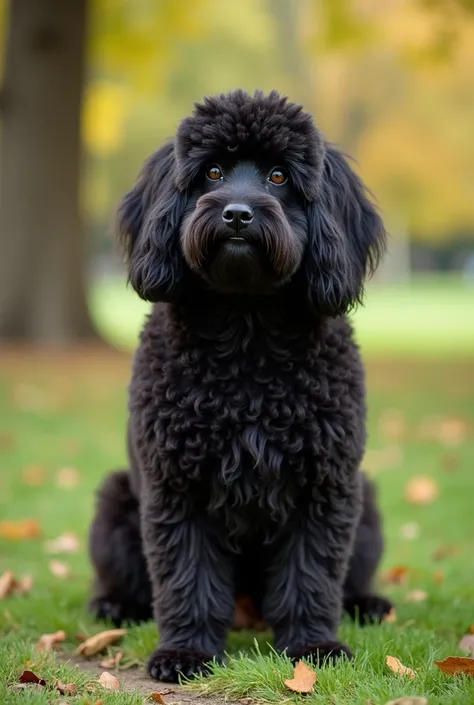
x=247 y=400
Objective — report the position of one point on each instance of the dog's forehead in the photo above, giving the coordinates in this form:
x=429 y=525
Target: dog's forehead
x=244 y=126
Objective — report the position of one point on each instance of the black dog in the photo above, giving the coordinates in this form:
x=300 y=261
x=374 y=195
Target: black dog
x=247 y=410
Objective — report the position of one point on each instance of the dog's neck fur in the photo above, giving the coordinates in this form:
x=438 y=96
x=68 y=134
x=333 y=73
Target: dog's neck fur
x=273 y=325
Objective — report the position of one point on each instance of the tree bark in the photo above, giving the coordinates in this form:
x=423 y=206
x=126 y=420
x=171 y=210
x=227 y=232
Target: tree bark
x=42 y=240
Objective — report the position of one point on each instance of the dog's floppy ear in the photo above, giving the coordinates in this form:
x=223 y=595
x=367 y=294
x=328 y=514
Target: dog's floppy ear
x=148 y=222
x=346 y=238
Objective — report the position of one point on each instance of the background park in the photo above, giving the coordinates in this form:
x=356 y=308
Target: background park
x=89 y=89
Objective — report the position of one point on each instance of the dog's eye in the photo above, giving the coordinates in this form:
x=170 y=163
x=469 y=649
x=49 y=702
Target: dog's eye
x=278 y=177
x=214 y=172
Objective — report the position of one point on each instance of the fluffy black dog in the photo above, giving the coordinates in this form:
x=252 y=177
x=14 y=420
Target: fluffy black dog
x=247 y=410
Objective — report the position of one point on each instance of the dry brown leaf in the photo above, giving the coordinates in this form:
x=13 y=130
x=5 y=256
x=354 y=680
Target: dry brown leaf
x=443 y=552
x=59 y=569
x=112 y=661
x=65 y=688
x=97 y=643
x=67 y=478
x=390 y=617
x=397 y=666
x=19 y=530
x=471 y=628
x=409 y=700
x=457 y=665
x=396 y=576
x=438 y=577
x=107 y=680
x=157 y=697
x=30 y=677
x=9 y=585
x=34 y=475
x=303 y=679
x=416 y=596
x=66 y=543
x=421 y=490
x=48 y=642
x=453 y=431
x=467 y=644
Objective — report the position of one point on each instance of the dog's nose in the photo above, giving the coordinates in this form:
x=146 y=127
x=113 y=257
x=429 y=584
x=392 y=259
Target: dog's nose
x=237 y=216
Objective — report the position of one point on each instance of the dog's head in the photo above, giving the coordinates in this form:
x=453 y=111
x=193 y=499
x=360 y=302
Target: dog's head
x=247 y=199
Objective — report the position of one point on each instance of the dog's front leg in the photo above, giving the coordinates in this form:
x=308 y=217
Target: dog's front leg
x=304 y=596
x=193 y=587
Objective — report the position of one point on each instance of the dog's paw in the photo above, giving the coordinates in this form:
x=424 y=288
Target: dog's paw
x=170 y=664
x=321 y=653
x=110 y=610
x=368 y=609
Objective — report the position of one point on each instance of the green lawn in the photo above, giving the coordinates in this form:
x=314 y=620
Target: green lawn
x=432 y=316
x=62 y=411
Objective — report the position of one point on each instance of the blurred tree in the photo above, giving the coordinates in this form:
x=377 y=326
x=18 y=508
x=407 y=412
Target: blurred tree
x=42 y=247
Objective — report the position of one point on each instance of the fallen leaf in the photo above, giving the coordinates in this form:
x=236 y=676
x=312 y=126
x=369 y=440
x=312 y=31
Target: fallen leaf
x=67 y=478
x=443 y=552
x=157 y=697
x=409 y=700
x=453 y=431
x=438 y=577
x=66 y=543
x=97 y=643
x=112 y=661
x=410 y=530
x=109 y=681
x=48 y=642
x=30 y=677
x=390 y=617
x=34 y=475
x=392 y=425
x=246 y=701
x=9 y=585
x=397 y=666
x=421 y=490
x=471 y=628
x=65 y=688
x=416 y=596
x=467 y=644
x=303 y=679
x=59 y=570
x=19 y=530
x=396 y=576
x=457 y=665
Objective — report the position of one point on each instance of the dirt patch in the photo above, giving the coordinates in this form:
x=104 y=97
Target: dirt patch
x=135 y=680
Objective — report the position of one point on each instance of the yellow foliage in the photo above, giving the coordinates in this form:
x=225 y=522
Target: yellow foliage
x=103 y=118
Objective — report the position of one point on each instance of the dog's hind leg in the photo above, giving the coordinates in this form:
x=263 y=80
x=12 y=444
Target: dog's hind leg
x=122 y=588
x=359 y=600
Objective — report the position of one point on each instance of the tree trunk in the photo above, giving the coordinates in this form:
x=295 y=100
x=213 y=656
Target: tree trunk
x=42 y=241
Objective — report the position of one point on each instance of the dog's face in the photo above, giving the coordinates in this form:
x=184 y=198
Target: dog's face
x=244 y=228
x=248 y=199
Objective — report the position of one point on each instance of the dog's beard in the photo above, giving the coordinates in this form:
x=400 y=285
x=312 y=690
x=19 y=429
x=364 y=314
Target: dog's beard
x=265 y=258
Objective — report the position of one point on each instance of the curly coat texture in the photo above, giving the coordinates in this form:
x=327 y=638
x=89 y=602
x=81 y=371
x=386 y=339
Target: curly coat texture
x=247 y=399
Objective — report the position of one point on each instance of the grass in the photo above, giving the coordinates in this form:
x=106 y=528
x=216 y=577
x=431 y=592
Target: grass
x=427 y=318
x=69 y=411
